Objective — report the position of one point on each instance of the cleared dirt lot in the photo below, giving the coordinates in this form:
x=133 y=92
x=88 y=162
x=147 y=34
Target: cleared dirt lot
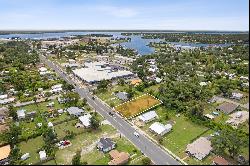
x=137 y=105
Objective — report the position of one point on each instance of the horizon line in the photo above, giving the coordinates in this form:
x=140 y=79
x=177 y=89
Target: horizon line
x=160 y=30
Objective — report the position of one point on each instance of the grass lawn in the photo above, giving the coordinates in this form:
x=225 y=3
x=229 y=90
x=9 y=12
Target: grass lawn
x=137 y=105
x=63 y=127
x=51 y=162
x=109 y=97
x=83 y=142
x=31 y=147
x=42 y=106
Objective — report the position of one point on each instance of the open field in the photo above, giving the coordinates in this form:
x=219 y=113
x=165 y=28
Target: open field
x=31 y=147
x=137 y=105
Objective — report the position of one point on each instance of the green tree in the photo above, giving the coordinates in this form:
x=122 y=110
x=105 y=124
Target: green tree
x=229 y=141
x=15 y=156
x=12 y=135
x=13 y=113
x=121 y=81
x=94 y=122
x=76 y=160
x=72 y=99
x=103 y=85
x=146 y=161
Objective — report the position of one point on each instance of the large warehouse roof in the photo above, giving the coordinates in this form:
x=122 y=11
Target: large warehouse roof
x=97 y=71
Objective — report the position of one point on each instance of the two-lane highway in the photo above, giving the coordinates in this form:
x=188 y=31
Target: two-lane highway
x=150 y=149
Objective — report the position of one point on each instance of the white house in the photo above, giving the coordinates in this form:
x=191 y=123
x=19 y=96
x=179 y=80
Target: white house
x=160 y=129
x=149 y=116
x=50 y=124
x=158 y=80
x=85 y=120
x=203 y=83
x=209 y=116
x=3 y=96
x=237 y=96
x=56 y=88
x=42 y=155
x=25 y=156
x=21 y=114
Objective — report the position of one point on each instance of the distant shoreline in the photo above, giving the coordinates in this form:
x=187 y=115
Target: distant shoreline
x=6 y=32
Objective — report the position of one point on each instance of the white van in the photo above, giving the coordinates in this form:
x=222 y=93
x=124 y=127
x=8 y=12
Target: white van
x=136 y=134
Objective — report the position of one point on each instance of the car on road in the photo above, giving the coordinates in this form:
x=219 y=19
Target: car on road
x=93 y=98
x=136 y=134
x=111 y=114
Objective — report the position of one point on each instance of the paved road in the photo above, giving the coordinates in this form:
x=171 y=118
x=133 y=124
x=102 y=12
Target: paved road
x=150 y=149
x=231 y=101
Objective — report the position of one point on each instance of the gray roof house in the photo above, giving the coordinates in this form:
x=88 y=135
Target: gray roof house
x=105 y=144
x=227 y=108
x=122 y=96
x=75 y=111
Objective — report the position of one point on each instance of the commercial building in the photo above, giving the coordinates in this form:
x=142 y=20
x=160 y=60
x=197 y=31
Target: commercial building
x=97 y=71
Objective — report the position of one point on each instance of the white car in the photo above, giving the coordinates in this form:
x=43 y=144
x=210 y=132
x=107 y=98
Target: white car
x=136 y=134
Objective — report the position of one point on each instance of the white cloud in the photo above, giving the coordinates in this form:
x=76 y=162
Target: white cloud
x=117 y=11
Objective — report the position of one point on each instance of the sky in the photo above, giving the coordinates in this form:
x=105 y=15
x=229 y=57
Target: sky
x=220 y=15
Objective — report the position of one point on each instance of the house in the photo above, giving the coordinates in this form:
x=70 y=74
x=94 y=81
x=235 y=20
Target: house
x=160 y=129
x=200 y=148
x=43 y=71
x=237 y=96
x=25 y=156
x=42 y=155
x=7 y=101
x=209 y=116
x=238 y=118
x=51 y=104
x=75 y=111
x=227 y=108
x=60 y=111
x=148 y=117
x=105 y=144
x=135 y=82
x=203 y=83
x=3 y=114
x=3 y=96
x=158 y=80
x=31 y=114
x=4 y=154
x=85 y=120
x=61 y=100
x=220 y=161
x=21 y=114
x=50 y=124
x=56 y=88
x=118 y=158
x=122 y=96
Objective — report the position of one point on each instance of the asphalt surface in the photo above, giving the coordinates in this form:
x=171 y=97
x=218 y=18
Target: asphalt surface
x=150 y=149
